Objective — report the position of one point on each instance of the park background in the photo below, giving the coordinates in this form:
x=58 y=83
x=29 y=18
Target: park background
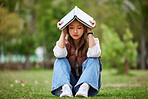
x=28 y=33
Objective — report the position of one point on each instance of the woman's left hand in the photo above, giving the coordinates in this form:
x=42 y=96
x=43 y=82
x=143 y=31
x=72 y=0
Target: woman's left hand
x=92 y=22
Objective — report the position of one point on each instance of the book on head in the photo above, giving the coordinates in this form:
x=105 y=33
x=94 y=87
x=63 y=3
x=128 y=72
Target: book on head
x=77 y=14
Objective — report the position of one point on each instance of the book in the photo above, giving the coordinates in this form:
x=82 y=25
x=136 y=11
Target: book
x=78 y=14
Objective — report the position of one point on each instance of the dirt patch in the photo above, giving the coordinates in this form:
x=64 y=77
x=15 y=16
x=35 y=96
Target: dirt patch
x=121 y=85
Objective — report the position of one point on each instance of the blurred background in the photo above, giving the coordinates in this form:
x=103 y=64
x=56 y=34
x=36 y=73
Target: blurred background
x=28 y=32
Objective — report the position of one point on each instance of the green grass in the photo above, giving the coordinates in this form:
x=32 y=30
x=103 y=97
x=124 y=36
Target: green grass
x=37 y=85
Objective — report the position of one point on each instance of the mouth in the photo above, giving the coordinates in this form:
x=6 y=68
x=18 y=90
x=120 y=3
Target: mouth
x=75 y=35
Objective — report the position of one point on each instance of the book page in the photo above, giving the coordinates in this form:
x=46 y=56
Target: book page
x=85 y=18
x=67 y=19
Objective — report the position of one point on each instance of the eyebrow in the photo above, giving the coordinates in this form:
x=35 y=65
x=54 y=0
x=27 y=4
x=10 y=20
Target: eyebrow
x=77 y=25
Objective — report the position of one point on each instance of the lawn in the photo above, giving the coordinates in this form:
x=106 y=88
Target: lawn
x=36 y=84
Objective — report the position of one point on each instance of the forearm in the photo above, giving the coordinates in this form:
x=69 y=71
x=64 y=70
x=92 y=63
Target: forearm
x=94 y=51
x=91 y=40
x=61 y=42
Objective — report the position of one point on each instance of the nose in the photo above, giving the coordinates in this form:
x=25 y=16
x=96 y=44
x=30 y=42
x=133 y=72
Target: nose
x=75 y=30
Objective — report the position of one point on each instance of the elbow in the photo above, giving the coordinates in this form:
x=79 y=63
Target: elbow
x=99 y=53
x=60 y=55
x=96 y=54
x=59 y=52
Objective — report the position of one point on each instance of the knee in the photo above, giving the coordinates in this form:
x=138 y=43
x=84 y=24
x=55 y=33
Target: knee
x=91 y=62
x=61 y=63
x=94 y=60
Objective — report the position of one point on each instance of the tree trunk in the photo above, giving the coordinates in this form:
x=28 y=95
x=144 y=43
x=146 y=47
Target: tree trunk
x=143 y=51
x=27 y=63
x=45 y=60
x=32 y=22
x=31 y=32
x=126 y=66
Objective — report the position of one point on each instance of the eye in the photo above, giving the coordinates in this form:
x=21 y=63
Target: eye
x=71 y=27
x=79 y=27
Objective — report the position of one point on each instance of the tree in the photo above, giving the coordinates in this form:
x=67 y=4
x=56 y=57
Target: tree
x=25 y=38
x=130 y=52
x=10 y=26
x=121 y=14
x=144 y=11
x=118 y=53
x=137 y=15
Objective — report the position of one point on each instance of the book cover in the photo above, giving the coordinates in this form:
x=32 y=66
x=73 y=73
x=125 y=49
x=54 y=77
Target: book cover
x=78 y=14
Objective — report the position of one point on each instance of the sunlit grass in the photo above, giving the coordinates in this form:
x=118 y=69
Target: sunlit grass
x=37 y=84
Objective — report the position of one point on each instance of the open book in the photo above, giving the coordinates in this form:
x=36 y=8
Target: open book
x=78 y=14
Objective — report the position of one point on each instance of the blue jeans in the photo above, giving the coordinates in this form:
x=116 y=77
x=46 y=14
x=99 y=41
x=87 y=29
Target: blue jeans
x=90 y=74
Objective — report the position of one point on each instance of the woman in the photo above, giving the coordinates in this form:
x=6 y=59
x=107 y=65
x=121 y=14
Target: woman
x=77 y=68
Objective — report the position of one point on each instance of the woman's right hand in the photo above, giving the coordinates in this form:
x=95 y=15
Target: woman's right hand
x=61 y=42
x=64 y=31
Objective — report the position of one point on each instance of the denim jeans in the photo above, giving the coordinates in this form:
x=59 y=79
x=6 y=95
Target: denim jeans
x=90 y=74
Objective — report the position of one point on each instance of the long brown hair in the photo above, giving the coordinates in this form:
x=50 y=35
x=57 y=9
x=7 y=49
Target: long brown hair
x=85 y=45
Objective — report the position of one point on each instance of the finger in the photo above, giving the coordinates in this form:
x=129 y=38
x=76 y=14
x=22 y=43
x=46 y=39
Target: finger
x=95 y=22
x=92 y=22
x=58 y=25
x=61 y=22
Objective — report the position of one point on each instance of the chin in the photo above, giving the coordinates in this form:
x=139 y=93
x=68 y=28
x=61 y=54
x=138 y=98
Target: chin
x=76 y=38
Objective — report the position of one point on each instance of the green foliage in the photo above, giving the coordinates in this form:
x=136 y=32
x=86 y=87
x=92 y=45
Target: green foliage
x=46 y=21
x=112 y=48
x=10 y=26
x=115 y=51
x=26 y=45
x=130 y=47
x=138 y=17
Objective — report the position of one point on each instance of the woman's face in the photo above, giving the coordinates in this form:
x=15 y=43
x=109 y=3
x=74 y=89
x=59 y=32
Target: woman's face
x=76 y=30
